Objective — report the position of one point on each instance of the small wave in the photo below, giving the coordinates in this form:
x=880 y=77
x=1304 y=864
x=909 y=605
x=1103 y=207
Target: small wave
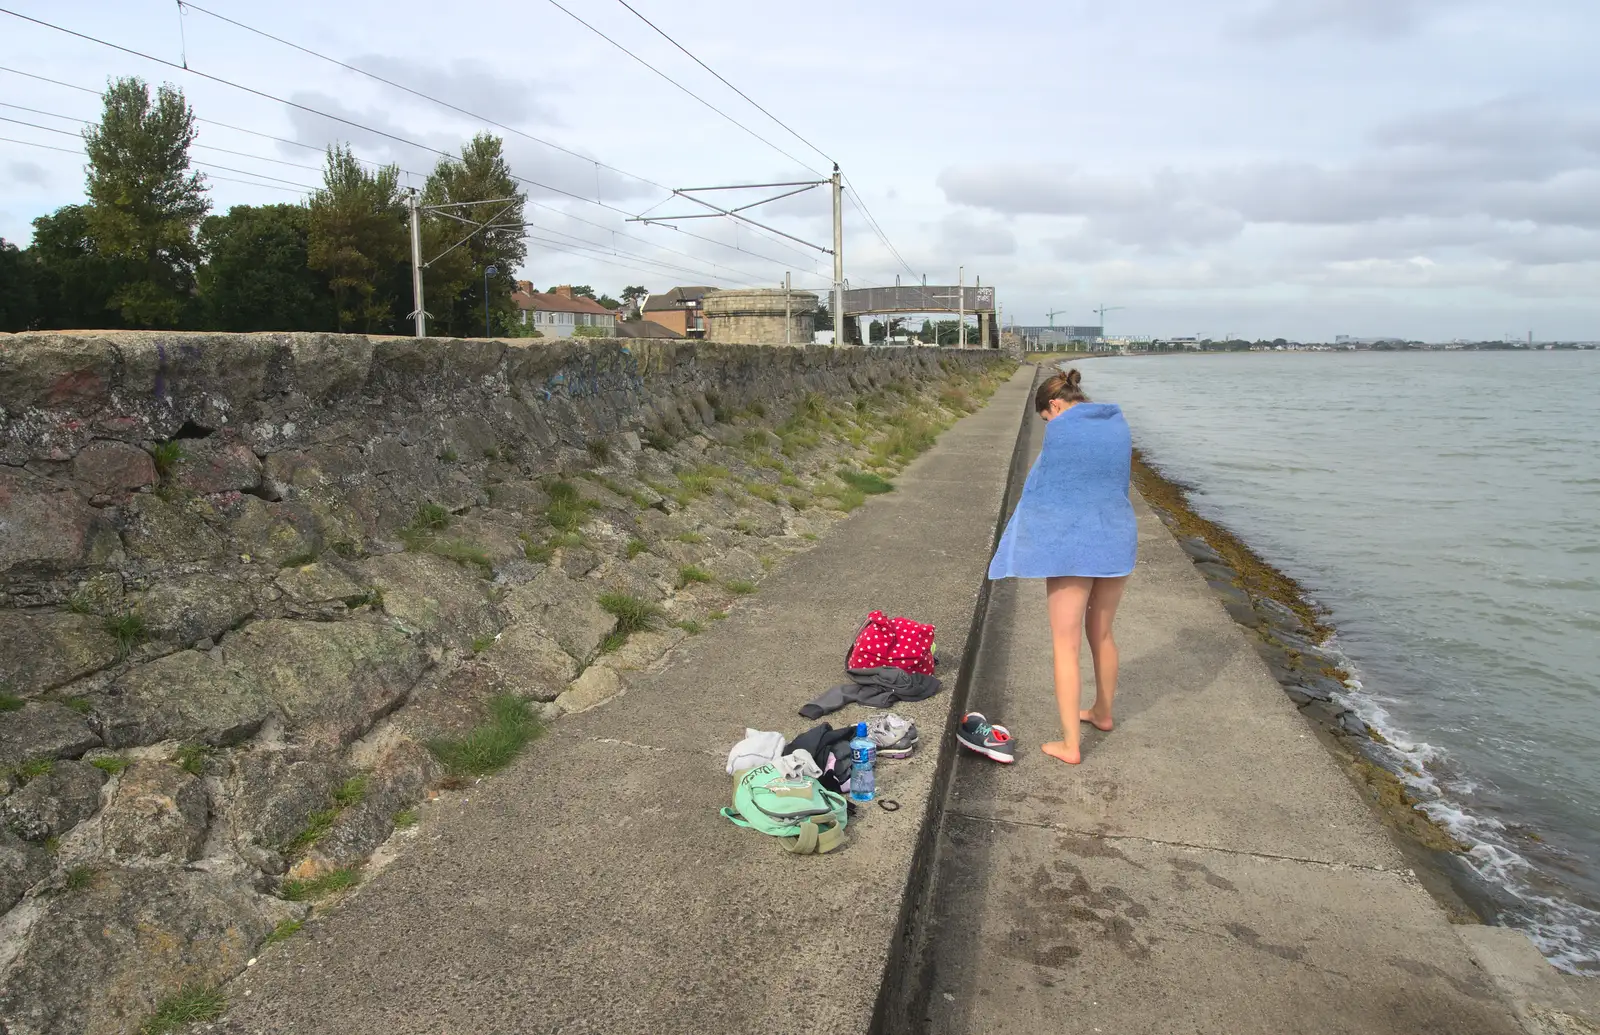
x=1566 y=932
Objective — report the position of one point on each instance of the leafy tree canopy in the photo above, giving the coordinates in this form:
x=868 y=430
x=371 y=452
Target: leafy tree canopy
x=144 y=203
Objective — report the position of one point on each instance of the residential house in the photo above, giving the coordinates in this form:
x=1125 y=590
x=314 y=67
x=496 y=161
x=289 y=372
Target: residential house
x=682 y=309
x=644 y=329
x=559 y=313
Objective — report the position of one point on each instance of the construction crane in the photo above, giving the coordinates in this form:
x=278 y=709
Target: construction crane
x=1102 y=311
x=1051 y=316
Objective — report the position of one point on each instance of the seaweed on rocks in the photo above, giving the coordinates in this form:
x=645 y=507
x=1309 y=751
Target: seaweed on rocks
x=1291 y=633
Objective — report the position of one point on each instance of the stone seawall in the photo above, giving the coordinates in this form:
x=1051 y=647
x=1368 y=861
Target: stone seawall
x=259 y=594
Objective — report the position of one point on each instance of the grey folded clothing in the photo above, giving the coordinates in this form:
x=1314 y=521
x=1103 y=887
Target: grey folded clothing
x=875 y=687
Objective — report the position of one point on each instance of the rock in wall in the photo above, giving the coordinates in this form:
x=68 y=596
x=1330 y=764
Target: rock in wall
x=245 y=578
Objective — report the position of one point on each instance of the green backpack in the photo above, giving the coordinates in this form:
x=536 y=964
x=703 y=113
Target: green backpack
x=810 y=818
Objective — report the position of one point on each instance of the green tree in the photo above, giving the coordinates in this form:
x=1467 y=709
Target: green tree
x=357 y=238
x=144 y=203
x=583 y=291
x=19 y=309
x=454 y=282
x=633 y=293
x=73 y=281
x=609 y=302
x=257 y=274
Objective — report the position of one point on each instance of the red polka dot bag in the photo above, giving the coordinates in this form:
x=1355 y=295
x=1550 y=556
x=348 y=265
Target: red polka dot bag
x=893 y=643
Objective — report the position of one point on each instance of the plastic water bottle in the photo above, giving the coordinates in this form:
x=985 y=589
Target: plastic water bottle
x=864 y=756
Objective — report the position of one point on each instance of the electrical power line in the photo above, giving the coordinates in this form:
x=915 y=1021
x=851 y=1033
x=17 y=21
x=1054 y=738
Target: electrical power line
x=209 y=176
x=482 y=118
x=349 y=122
x=202 y=147
x=418 y=93
x=729 y=85
x=683 y=88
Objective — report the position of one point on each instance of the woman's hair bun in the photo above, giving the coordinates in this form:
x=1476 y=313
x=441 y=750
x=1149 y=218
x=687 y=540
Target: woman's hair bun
x=1073 y=377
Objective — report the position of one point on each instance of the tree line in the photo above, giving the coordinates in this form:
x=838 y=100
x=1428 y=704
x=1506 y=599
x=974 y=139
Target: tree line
x=144 y=250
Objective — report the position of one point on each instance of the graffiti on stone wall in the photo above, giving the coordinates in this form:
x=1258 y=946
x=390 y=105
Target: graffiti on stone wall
x=591 y=375
x=184 y=351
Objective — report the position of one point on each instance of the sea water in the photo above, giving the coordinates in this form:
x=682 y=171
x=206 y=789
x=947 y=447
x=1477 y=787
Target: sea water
x=1444 y=507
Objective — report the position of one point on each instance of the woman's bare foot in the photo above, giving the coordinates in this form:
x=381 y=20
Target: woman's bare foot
x=1088 y=715
x=1059 y=749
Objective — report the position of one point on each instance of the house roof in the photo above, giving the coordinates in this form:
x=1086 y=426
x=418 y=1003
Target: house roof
x=551 y=302
x=675 y=298
x=644 y=329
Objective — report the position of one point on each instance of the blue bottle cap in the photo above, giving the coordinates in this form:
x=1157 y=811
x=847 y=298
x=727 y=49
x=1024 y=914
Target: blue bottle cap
x=861 y=729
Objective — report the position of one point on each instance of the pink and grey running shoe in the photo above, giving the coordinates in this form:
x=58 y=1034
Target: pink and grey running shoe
x=987 y=739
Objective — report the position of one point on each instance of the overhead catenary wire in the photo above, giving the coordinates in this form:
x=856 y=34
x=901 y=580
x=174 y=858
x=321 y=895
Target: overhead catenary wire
x=743 y=275
x=418 y=93
x=480 y=117
x=680 y=86
x=209 y=175
x=792 y=132
x=350 y=122
x=203 y=147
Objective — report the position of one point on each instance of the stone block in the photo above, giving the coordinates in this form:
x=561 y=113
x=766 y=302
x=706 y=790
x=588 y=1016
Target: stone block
x=644 y=649
x=596 y=686
x=157 y=811
x=526 y=658
x=271 y=790
x=331 y=680
x=525 y=497
x=397 y=781
x=54 y=803
x=321 y=582
x=190 y=608
x=270 y=533
x=106 y=471
x=48 y=528
x=187 y=696
x=22 y=865
x=161 y=531
x=43 y=729
x=47 y=650
x=437 y=597
x=565 y=610
x=61 y=373
x=100 y=958
x=735 y=565
x=211 y=465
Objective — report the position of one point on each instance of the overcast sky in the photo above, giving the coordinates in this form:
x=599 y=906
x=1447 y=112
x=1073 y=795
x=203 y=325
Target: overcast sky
x=1304 y=168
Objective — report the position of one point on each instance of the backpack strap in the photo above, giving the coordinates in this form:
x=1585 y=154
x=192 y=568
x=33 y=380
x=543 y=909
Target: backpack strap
x=816 y=837
x=733 y=817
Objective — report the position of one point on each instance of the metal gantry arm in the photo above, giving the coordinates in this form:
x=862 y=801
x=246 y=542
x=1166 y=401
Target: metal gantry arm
x=415 y=207
x=798 y=187
x=687 y=193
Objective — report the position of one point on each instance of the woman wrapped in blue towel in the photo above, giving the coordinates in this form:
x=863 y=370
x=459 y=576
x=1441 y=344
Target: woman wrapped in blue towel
x=1074 y=527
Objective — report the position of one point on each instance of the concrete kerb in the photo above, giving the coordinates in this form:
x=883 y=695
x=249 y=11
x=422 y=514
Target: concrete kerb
x=903 y=974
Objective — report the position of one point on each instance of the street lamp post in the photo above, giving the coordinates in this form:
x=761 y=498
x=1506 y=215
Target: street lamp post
x=488 y=271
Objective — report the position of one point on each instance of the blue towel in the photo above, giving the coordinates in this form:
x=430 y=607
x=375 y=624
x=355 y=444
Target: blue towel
x=1074 y=517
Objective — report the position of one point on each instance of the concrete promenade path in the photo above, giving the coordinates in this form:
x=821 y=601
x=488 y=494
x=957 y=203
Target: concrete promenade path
x=592 y=887
x=1207 y=869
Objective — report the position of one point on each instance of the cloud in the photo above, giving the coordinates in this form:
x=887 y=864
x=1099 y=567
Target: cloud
x=466 y=83
x=372 y=134
x=28 y=173
x=1369 y=19
x=1485 y=176
x=963 y=235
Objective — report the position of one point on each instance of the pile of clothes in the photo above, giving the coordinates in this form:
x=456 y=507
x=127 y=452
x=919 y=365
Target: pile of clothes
x=797 y=789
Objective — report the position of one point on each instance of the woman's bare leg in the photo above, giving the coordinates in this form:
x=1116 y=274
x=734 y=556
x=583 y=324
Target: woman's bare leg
x=1067 y=598
x=1102 y=611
